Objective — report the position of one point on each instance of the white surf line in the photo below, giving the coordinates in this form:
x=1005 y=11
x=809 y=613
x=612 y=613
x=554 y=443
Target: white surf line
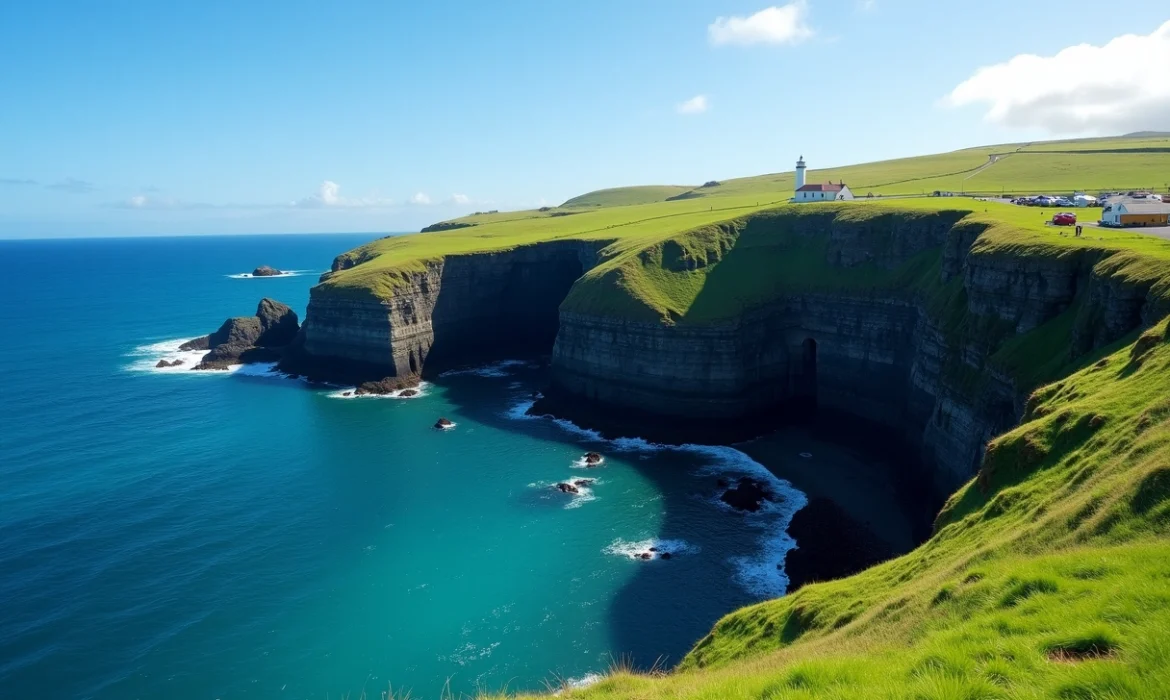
x=758 y=574
x=283 y=273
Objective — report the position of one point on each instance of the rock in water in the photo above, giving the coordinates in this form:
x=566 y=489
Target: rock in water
x=389 y=385
x=244 y=339
x=278 y=323
x=203 y=342
x=592 y=459
x=747 y=495
x=407 y=393
x=567 y=488
x=266 y=271
x=443 y=423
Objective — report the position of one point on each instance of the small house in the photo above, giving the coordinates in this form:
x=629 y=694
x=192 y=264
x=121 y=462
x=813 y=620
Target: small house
x=1135 y=212
x=823 y=192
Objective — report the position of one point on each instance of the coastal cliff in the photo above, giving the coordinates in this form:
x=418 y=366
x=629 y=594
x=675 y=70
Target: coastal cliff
x=923 y=323
x=450 y=310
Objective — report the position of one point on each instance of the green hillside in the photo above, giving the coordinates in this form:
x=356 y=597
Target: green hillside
x=1048 y=575
x=624 y=196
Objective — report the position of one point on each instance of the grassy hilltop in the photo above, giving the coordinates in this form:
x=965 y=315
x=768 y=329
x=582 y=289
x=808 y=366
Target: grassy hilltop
x=1048 y=575
x=632 y=218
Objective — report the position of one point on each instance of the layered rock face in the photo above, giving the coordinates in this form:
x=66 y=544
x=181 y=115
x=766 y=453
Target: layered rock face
x=457 y=310
x=879 y=355
x=875 y=358
x=894 y=355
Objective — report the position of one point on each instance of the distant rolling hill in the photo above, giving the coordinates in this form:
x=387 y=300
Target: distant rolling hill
x=1139 y=160
x=624 y=196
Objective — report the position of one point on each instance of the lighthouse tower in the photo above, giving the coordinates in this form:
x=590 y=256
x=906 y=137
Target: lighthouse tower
x=800 y=173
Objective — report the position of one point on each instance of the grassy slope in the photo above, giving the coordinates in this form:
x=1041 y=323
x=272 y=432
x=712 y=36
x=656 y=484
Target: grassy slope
x=625 y=196
x=1048 y=576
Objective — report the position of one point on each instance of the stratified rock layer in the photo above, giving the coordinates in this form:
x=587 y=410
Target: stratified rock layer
x=895 y=356
x=460 y=309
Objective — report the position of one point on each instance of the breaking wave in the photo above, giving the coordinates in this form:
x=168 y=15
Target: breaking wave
x=758 y=574
x=284 y=273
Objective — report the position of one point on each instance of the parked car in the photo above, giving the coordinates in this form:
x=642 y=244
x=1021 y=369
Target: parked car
x=1063 y=202
x=1064 y=218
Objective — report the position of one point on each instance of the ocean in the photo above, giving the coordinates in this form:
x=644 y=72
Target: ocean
x=178 y=534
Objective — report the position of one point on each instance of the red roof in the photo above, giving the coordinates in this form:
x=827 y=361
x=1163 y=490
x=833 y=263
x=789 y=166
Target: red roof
x=826 y=187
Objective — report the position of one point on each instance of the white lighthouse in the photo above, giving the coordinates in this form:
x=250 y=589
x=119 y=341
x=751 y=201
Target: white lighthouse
x=800 y=173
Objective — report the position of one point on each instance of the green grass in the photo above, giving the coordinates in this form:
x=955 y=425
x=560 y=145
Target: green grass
x=1048 y=575
x=625 y=196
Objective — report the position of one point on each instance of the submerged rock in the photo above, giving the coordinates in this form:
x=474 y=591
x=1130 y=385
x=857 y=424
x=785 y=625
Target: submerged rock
x=664 y=555
x=747 y=495
x=266 y=271
x=582 y=482
x=407 y=393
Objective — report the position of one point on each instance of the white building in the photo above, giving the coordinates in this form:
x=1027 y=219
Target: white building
x=822 y=192
x=1131 y=211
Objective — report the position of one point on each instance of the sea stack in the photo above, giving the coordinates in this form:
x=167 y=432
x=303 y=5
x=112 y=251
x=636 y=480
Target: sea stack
x=266 y=271
x=245 y=339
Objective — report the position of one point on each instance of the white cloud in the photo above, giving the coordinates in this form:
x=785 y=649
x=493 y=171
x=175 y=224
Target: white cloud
x=460 y=199
x=784 y=24
x=420 y=198
x=1120 y=86
x=696 y=105
x=329 y=195
x=150 y=201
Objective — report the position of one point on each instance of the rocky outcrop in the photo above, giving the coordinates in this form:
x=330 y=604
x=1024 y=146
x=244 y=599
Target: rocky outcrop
x=266 y=271
x=455 y=310
x=747 y=495
x=246 y=339
x=389 y=385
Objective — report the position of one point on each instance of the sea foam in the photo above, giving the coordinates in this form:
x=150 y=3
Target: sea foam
x=284 y=273
x=146 y=357
x=421 y=390
x=758 y=574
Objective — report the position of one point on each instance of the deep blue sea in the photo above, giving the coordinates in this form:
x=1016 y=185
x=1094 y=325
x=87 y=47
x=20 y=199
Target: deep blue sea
x=178 y=534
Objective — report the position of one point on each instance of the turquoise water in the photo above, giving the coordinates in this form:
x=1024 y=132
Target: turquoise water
x=243 y=535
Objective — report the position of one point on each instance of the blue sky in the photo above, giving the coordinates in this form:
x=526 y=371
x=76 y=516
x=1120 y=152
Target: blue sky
x=138 y=118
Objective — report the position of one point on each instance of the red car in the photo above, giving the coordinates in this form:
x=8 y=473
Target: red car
x=1064 y=218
